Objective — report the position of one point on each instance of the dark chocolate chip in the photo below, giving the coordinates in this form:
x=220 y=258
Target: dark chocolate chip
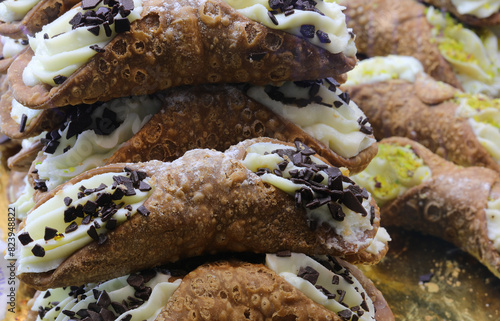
x=143 y=210
x=71 y=228
x=67 y=201
x=307 y=31
x=111 y=224
x=38 y=250
x=50 y=233
x=90 y=4
x=59 y=79
x=135 y=280
x=22 y=125
x=285 y=253
x=309 y=274
x=122 y=25
x=323 y=36
x=273 y=18
x=92 y=232
x=24 y=238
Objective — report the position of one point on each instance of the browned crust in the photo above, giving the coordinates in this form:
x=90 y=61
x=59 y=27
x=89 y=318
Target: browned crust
x=217 y=117
x=240 y=291
x=397 y=108
x=447 y=5
x=41 y=14
x=47 y=120
x=451 y=205
x=205 y=41
x=204 y=202
x=384 y=27
x=23 y=160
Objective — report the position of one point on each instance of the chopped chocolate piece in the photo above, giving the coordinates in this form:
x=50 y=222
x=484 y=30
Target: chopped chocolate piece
x=90 y=4
x=345 y=314
x=135 y=280
x=90 y=207
x=45 y=36
x=335 y=279
x=104 y=199
x=372 y=214
x=104 y=300
x=24 y=42
x=144 y=187
x=40 y=185
x=59 y=79
x=289 y=12
x=345 y=97
x=304 y=149
x=51 y=147
x=38 y=250
x=118 y=307
x=338 y=104
x=307 y=31
x=118 y=194
x=364 y=304
x=122 y=25
x=47 y=294
x=111 y=224
x=336 y=211
x=86 y=220
x=92 y=232
x=71 y=228
x=309 y=274
x=285 y=253
x=127 y=4
x=323 y=36
x=69 y=313
x=96 y=48
x=352 y=203
x=107 y=315
x=94 y=30
x=128 y=317
x=143 y=210
x=70 y=214
x=76 y=20
x=143 y=294
x=67 y=201
x=24 y=238
x=271 y=16
x=50 y=233
x=22 y=125
x=342 y=295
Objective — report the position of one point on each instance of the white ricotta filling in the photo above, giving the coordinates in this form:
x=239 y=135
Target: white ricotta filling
x=333 y=22
x=66 y=49
x=11 y=47
x=336 y=127
x=14 y=10
x=18 y=110
x=289 y=267
x=478 y=8
x=351 y=228
x=117 y=289
x=378 y=69
x=52 y=214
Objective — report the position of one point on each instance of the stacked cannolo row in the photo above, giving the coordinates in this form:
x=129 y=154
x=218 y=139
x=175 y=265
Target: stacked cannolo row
x=100 y=222
x=418 y=190
x=401 y=100
x=462 y=56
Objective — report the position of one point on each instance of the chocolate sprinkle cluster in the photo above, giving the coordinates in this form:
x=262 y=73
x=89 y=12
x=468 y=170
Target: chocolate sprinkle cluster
x=77 y=121
x=311 y=275
x=104 y=16
x=104 y=207
x=102 y=308
x=288 y=7
x=315 y=194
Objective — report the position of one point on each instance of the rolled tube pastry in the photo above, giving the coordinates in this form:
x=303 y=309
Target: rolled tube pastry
x=197 y=42
x=472 y=12
x=261 y=196
x=210 y=116
x=22 y=18
x=451 y=52
x=296 y=286
x=459 y=127
x=418 y=190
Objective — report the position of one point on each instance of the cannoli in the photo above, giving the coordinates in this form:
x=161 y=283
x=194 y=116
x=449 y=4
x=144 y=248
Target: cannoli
x=384 y=27
x=449 y=51
x=22 y=18
x=197 y=42
x=250 y=198
x=209 y=116
x=459 y=127
x=10 y=48
x=418 y=190
x=23 y=159
x=475 y=13
x=18 y=122
x=296 y=287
